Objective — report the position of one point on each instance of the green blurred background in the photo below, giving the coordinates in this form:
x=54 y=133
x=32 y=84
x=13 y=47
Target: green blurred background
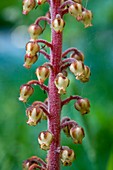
x=18 y=141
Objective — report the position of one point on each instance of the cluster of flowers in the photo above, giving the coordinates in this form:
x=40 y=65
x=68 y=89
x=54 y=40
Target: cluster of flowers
x=36 y=112
x=32 y=47
x=77 y=67
x=39 y=110
x=81 y=14
x=28 y=5
x=74 y=7
x=81 y=71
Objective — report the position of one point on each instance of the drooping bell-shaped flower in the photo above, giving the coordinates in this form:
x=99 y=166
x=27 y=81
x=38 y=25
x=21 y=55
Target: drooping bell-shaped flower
x=42 y=73
x=30 y=60
x=82 y=105
x=87 y=18
x=76 y=10
x=61 y=83
x=25 y=92
x=77 y=68
x=34 y=115
x=67 y=156
x=32 y=48
x=84 y=77
x=77 y=134
x=58 y=24
x=34 y=31
x=28 y=5
x=45 y=138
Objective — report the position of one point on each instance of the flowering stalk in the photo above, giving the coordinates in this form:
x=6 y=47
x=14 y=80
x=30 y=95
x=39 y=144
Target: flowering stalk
x=55 y=69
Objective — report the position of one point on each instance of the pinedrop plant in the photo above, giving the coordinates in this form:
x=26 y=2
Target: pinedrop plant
x=56 y=70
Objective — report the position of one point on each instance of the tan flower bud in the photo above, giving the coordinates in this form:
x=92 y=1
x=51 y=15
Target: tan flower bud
x=28 y=5
x=42 y=73
x=32 y=48
x=67 y=128
x=67 y=156
x=40 y=2
x=29 y=60
x=25 y=92
x=77 y=68
x=45 y=138
x=84 y=77
x=79 y=57
x=76 y=10
x=83 y=106
x=34 y=114
x=61 y=83
x=44 y=117
x=58 y=24
x=87 y=18
x=34 y=31
x=77 y=134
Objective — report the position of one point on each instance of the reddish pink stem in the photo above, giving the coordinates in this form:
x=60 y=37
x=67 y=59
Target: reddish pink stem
x=40 y=104
x=35 y=166
x=37 y=160
x=45 y=42
x=65 y=119
x=68 y=60
x=71 y=122
x=48 y=64
x=36 y=82
x=65 y=66
x=34 y=162
x=66 y=101
x=43 y=107
x=45 y=54
x=66 y=63
x=68 y=2
x=54 y=101
x=71 y=50
x=65 y=11
x=45 y=111
x=43 y=18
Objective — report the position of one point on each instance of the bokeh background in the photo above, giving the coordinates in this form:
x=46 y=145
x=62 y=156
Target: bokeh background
x=18 y=141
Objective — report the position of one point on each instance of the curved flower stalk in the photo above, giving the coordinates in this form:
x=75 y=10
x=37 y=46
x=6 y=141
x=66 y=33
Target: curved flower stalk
x=55 y=71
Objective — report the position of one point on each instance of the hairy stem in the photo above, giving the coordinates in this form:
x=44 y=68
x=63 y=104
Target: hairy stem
x=42 y=18
x=45 y=54
x=35 y=166
x=45 y=42
x=54 y=103
x=71 y=122
x=36 y=82
x=72 y=49
x=66 y=63
x=66 y=101
x=68 y=60
x=65 y=119
x=40 y=103
x=69 y=2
